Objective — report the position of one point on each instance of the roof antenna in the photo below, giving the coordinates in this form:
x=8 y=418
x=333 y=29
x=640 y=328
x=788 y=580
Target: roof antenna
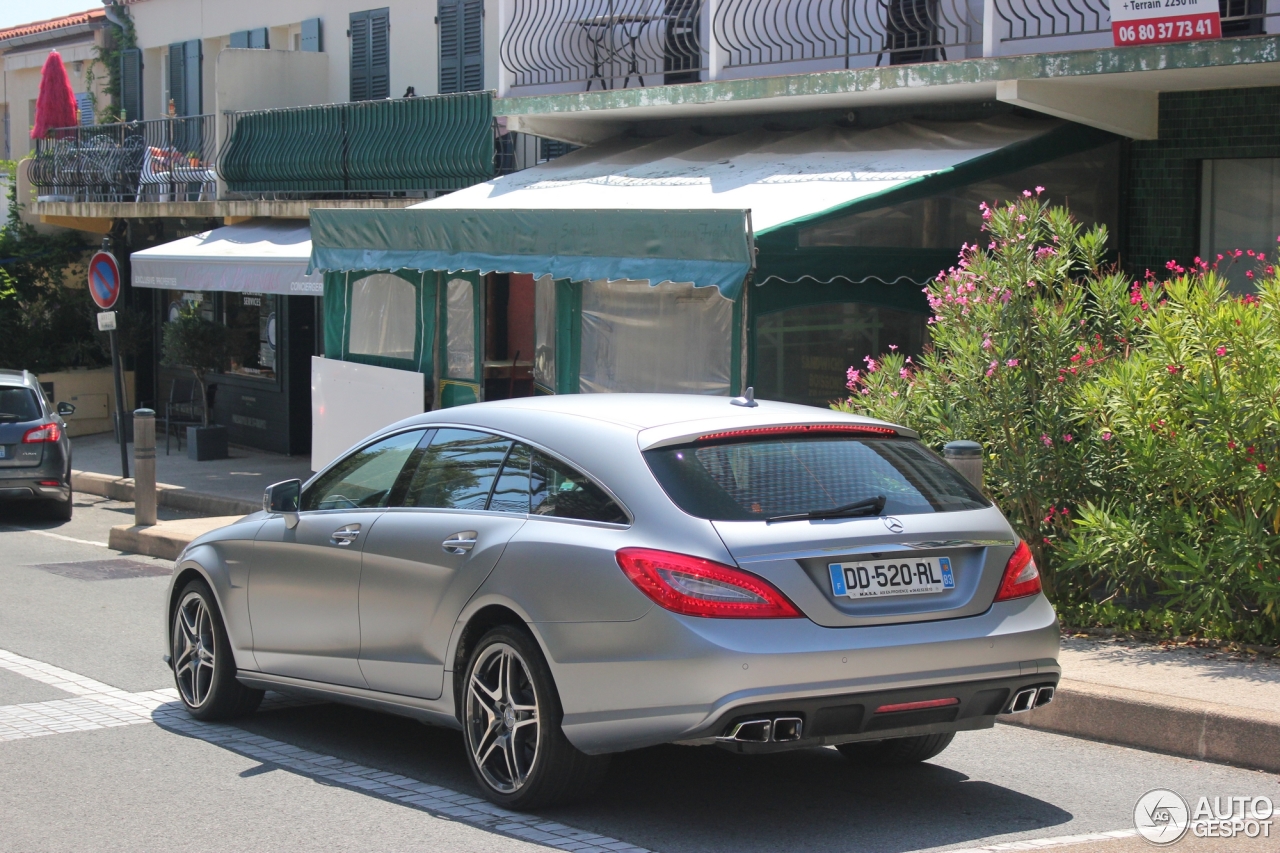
x=748 y=399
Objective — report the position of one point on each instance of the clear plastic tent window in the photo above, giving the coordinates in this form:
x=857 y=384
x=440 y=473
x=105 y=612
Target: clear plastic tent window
x=460 y=344
x=383 y=317
x=544 y=332
x=672 y=338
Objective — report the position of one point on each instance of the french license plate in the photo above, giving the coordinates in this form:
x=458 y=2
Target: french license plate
x=881 y=579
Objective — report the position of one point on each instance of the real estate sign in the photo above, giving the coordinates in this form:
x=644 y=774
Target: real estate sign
x=1161 y=21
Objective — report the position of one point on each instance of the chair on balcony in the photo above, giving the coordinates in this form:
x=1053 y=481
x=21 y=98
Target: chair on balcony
x=181 y=410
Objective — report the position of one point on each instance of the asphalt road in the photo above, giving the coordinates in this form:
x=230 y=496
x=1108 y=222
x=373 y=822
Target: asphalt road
x=278 y=780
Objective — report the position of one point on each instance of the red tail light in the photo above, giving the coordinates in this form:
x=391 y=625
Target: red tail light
x=693 y=586
x=1021 y=577
x=48 y=432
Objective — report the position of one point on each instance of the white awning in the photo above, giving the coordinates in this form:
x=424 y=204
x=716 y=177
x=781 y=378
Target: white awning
x=780 y=176
x=255 y=257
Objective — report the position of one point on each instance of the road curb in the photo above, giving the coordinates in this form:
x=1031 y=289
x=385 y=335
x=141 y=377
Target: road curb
x=1207 y=731
x=173 y=497
x=165 y=539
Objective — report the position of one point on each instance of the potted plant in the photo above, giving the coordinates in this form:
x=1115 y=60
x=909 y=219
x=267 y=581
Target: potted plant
x=203 y=347
x=194 y=159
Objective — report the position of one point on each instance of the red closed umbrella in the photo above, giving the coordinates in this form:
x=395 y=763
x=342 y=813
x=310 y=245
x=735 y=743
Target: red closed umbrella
x=56 y=105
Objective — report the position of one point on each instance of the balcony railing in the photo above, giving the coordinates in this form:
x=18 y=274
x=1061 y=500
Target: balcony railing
x=604 y=43
x=414 y=145
x=1020 y=20
x=164 y=160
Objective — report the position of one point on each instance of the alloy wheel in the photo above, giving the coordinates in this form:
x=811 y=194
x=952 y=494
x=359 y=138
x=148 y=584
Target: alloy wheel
x=193 y=649
x=503 y=725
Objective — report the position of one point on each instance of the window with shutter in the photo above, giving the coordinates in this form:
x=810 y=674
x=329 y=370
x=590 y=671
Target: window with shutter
x=240 y=38
x=259 y=39
x=461 y=25
x=131 y=84
x=193 y=96
x=370 y=54
x=310 y=41
x=177 y=79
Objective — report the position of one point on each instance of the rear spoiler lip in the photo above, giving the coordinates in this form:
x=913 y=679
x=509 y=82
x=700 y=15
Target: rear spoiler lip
x=657 y=437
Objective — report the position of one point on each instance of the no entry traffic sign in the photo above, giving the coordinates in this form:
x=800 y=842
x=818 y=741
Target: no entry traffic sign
x=1162 y=21
x=104 y=279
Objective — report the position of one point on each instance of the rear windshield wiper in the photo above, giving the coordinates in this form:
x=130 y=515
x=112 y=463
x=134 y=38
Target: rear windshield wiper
x=857 y=509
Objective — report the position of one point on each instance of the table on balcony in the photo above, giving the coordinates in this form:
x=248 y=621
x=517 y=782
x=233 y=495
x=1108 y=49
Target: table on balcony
x=599 y=29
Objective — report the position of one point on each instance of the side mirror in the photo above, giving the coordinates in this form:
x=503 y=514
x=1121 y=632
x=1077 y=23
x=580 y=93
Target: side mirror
x=66 y=410
x=284 y=498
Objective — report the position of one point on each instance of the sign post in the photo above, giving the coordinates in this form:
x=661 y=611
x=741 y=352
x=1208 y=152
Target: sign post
x=104 y=287
x=1164 y=21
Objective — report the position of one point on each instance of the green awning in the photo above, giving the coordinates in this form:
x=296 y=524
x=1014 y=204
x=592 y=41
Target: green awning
x=706 y=247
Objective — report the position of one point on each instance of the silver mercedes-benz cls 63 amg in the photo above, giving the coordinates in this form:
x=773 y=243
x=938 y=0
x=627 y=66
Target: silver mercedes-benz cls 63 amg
x=566 y=577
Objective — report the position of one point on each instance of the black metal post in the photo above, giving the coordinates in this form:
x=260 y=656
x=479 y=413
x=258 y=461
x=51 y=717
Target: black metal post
x=120 y=422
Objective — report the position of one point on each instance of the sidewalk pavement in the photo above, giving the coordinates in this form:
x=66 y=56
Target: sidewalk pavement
x=1193 y=702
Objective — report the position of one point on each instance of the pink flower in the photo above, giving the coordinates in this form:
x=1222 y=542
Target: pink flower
x=1068 y=438
x=1048 y=442
x=866 y=391
x=1248 y=273
x=1221 y=351
x=1231 y=445
x=854 y=376
x=908 y=359
x=904 y=373
x=871 y=363
x=1173 y=369
x=893 y=347
x=1262 y=466
x=986 y=343
x=1106 y=436
x=1041 y=189
x=1013 y=362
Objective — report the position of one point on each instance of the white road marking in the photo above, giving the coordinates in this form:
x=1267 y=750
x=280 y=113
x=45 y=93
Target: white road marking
x=1047 y=843
x=100 y=706
x=53 y=535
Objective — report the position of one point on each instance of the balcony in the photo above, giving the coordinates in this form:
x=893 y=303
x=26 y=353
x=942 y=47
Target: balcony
x=277 y=162
x=564 y=46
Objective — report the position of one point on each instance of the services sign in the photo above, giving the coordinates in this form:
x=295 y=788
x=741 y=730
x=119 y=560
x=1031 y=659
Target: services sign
x=1163 y=21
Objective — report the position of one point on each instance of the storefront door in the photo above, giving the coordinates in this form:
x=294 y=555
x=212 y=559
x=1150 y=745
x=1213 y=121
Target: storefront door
x=461 y=339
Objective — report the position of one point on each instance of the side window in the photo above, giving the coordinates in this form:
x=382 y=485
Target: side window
x=560 y=491
x=511 y=494
x=365 y=478
x=457 y=470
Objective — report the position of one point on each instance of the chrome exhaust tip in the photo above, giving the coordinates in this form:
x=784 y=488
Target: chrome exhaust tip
x=1023 y=700
x=1044 y=696
x=786 y=729
x=751 y=731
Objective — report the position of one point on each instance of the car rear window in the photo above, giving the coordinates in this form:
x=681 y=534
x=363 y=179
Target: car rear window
x=18 y=405
x=754 y=480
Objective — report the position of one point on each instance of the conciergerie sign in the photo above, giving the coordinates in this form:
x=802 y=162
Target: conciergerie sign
x=1161 y=21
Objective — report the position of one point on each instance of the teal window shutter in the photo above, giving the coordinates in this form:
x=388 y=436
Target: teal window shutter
x=131 y=84
x=193 y=91
x=260 y=39
x=311 y=36
x=461 y=24
x=359 y=33
x=370 y=54
x=240 y=38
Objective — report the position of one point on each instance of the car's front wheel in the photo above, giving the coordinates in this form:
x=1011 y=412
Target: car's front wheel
x=203 y=666
x=511 y=720
x=896 y=751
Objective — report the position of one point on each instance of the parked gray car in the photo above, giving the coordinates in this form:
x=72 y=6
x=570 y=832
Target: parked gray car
x=566 y=577
x=35 y=452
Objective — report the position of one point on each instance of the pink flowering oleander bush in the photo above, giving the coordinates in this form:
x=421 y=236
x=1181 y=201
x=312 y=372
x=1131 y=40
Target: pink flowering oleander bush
x=1131 y=429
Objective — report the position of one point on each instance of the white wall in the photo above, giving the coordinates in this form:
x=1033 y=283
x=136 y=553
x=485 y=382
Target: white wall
x=414 y=39
x=350 y=401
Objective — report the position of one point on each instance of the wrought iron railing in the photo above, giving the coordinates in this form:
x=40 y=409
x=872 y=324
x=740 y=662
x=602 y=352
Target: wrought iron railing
x=604 y=43
x=770 y=32
x=1019 y=20
x=162 y=160
x=442 y=142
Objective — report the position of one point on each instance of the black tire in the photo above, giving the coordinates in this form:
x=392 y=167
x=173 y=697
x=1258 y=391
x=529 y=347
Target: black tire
x=559 y=772
x=896 y=752
x=61 y=510
x=208 y=692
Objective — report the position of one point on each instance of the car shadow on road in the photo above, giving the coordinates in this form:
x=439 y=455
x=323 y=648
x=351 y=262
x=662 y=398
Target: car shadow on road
x=673 y=798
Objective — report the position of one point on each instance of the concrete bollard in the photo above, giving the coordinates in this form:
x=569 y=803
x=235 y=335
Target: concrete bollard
x=144 y=467
x=965 y=457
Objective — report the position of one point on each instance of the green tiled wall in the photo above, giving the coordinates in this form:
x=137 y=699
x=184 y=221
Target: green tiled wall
x=1162 y=207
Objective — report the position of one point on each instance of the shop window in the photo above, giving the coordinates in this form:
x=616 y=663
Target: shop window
x=384 y=317
x=802 y=353
x=201 y=297
x=1085 y=182
x=253 y=321
x=673 y=337
x=1240 y=209
x=460 y=327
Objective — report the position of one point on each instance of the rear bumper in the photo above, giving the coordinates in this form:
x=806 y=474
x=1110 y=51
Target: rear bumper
x=25 y=483
x=665 y=678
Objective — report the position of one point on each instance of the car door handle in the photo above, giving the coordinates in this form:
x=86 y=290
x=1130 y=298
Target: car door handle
x=345 y=535
x=460 y=543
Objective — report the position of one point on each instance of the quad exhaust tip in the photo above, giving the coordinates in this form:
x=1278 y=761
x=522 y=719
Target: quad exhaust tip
x=778 y=730
x=1031 y=697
